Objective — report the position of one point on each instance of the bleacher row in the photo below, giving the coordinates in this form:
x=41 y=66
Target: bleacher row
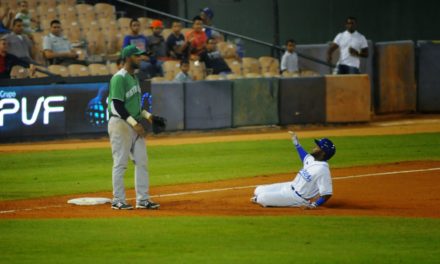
x=97 y=37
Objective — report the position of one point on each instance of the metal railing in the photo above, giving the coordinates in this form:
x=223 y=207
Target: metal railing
x=226 y=32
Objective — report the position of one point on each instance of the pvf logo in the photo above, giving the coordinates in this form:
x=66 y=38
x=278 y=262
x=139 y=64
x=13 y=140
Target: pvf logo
x=11 y=106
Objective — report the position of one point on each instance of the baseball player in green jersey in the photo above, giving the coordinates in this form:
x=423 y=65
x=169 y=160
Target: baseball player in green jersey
x=127 y=134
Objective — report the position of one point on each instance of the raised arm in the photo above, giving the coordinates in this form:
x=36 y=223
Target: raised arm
x=301 y=152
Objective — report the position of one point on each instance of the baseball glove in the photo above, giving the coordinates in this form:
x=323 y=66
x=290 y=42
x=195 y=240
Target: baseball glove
x=159 y=124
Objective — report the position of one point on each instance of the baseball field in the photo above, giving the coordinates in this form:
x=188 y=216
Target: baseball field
x=385 y=207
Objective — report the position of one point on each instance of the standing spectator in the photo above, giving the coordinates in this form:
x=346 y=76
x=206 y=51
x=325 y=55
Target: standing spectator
x=150 y=66
x=207 y=15
x=353 y=45
x=214 y=62
x=289 y=61
x=7 y=61
x=27 y=19
x=196 y=37
x=183 y=75
x=19 y=44
x=156 y=42
x=135 y=38
x=6 y=20
x=176 y=44
x=57 y=48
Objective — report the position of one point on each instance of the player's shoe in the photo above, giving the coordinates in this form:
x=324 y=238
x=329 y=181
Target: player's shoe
x=121 y=206
x=147 y=205
x=254 y=199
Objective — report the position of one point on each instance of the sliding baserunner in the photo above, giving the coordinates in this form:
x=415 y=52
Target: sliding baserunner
x=312 y=186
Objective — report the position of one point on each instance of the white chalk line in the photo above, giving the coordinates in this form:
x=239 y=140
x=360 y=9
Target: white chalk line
x=238 y=188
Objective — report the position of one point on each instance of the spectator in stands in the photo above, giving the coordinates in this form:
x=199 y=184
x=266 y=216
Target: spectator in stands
x=6 y=21
x=57 y=49
x=196 y=37
x=7 y=61
x=214 y=62
x=183 y=75
x=19 y=43
x=207 y=15
x=27 y=19
x=156 y=42
x=177 y=47
x=352 y=45
x=289 y=61
x=150 y=66
x=136 y=38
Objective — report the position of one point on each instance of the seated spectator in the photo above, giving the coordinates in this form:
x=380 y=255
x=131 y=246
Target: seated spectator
x=7 y=61
x=6 y=21
x=289 y=61
x=57 y=49
x=27 y=19
x=156 y=42
x=150 y=66
x=207 y=15
x=196 y=37
x=177 y=47
x=183 y=75
x=19 y=43
x=214 y=62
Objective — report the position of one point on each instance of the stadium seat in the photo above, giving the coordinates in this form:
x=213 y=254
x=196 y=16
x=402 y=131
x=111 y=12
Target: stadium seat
x=59 y=69
x=290 y=74
x=82 y=53
x=158 y=79
x=67 y=12
x=90 y=26
x=105 y=10
x=108 y=24
x=214 y=77
x=73 y=33
x=39 y=75
x=166 y=32
x=233 y=76
x=32 y=4
x=68 y=2
x=98 y=69
x=47 y=12
x=78 y=70
x=145 y=22
x=85 y=12
x=124 y=24
x=250 y=65
x=113 y=68
x=147 y=32
x=48 y=3
x=185 y=30
x=96 y=44
x=197 y=70
x=269 y=65
x=228 y=50
x=19 y=72
x=252 y=75
x=271 y=75
x=235 y=66
x=171 y=68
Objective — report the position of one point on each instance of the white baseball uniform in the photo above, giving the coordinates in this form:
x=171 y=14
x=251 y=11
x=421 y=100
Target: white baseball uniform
x=312 y=180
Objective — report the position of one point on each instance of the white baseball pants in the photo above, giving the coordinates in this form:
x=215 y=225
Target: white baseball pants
x=126 y=143
x=278 y=195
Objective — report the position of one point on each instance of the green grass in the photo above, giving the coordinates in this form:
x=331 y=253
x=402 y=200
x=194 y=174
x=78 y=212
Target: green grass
x=48 y=173
x=221 y=240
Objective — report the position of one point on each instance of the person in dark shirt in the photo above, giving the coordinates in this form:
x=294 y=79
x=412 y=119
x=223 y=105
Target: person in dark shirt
x=177 y=47
x=214 y=62
x=7 y=61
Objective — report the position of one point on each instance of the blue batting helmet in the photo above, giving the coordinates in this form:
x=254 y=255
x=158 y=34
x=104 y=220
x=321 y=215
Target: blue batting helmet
x=327 y=146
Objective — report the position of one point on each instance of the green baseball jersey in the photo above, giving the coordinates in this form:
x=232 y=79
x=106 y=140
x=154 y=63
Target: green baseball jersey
x=125 y=87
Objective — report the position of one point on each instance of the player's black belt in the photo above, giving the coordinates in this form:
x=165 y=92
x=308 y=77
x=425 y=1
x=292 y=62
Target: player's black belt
x=293 y=189
x=112 y=115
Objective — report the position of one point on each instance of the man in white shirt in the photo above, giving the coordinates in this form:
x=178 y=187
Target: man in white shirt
x=289 y=61
x=352 y=44
x=57 y=48
x=312 y=186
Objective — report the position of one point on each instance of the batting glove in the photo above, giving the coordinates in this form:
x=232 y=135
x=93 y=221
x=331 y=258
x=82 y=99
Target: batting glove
x=294 y=138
